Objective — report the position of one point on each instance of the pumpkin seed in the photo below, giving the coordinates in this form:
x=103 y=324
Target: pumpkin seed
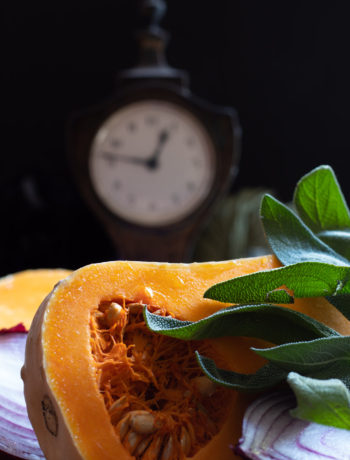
x=191 y=432
x=113 y=313
x=153 y=450
x=168 y=450
x=135 y=307
x=131 y=441
x=143 y=446
x=204 y=386
x=143 y=422
x=185 y=441
x=117 y=404
x=123 y=427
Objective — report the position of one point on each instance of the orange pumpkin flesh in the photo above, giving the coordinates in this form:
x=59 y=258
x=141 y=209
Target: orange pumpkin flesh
x=22 y=292
x=94 y=374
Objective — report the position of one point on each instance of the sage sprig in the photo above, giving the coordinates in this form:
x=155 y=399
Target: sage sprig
x=322 y=207
x=290 y=239
x=322 y=358
x=260 y=321
x=320 y=202
x=313 y=244
x=264 y=378
x=318 y=279
x=322 y=401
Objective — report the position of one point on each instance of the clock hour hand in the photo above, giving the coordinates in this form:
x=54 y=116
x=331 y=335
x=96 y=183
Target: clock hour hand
x=150 y=163
x=153 y=161
x=114 y=157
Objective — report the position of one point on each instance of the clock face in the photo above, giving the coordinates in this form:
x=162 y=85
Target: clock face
x=152 y=163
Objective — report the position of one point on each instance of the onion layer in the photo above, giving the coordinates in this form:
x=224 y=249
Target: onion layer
x=17 y=437
x=270 y=432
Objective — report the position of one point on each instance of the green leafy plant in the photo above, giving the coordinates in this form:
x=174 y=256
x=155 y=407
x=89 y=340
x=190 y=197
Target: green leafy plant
x=313 y=246
x=324 y=401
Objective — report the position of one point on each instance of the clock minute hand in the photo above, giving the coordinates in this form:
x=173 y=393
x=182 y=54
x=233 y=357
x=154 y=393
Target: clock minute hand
x=113 y=157
x=150 y=163
x=153 y=161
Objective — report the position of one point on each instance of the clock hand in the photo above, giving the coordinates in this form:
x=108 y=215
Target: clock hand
x=150 y=163
x=113 y=157
x=153 y=161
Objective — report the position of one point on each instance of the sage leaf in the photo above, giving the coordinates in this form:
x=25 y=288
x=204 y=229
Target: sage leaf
x=320 y=202
x=264 y=378
x=290 y=239
x=322 y=401
x=306 y=279
x=279 y=296
x=339 y=240
x=323 y=358
x=268 y=322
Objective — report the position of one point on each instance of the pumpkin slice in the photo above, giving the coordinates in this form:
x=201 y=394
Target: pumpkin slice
x=99 y=385
x=22 y=292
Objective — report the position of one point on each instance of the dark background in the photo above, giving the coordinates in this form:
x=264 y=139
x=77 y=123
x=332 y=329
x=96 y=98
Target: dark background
x=283 y=65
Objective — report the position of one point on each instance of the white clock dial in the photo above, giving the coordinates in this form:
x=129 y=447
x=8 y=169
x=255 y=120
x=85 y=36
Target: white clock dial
x=152 y=163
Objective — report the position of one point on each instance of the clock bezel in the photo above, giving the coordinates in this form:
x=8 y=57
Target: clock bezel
x=221 y=125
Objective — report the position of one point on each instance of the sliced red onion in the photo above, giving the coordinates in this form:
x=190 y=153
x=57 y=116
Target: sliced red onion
x=20 y=327
x=269 y=432
x=17 y=437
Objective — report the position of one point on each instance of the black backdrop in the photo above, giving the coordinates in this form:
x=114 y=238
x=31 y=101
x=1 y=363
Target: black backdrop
x=283 y=65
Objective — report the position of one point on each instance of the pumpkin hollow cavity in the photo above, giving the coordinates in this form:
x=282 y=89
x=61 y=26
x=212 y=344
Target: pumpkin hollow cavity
x=160 y=404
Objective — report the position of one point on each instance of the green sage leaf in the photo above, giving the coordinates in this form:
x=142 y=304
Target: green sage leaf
x=339 y=240
x=268 y=322
x=320 y=202
x=306 y=279
x=266 y=377
x=324 y=358
x=322 y=401
x=291 y=240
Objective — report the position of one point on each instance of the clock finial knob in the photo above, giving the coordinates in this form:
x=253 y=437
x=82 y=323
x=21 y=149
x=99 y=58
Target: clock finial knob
x=152 y=12
x=152 y=38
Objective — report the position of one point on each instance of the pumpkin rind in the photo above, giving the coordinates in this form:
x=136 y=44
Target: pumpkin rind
x=54 y=442
x=60 y=373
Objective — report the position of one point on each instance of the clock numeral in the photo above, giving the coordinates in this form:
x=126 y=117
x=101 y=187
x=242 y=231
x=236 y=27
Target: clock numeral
x=130 y=198
x=117 y=184
x=152 y=206
x=109 y=157
x=151 y=120
x=116 y=143
x=131 y=126
x=191 y=186
x=174 y=126
x=190 y=142
x=175 y=198
x=197 y=162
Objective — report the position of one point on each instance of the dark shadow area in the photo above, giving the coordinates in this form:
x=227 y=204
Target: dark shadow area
x=282 y=65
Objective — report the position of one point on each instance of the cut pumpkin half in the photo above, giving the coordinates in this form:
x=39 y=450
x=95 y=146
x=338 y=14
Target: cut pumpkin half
x=100 y=386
